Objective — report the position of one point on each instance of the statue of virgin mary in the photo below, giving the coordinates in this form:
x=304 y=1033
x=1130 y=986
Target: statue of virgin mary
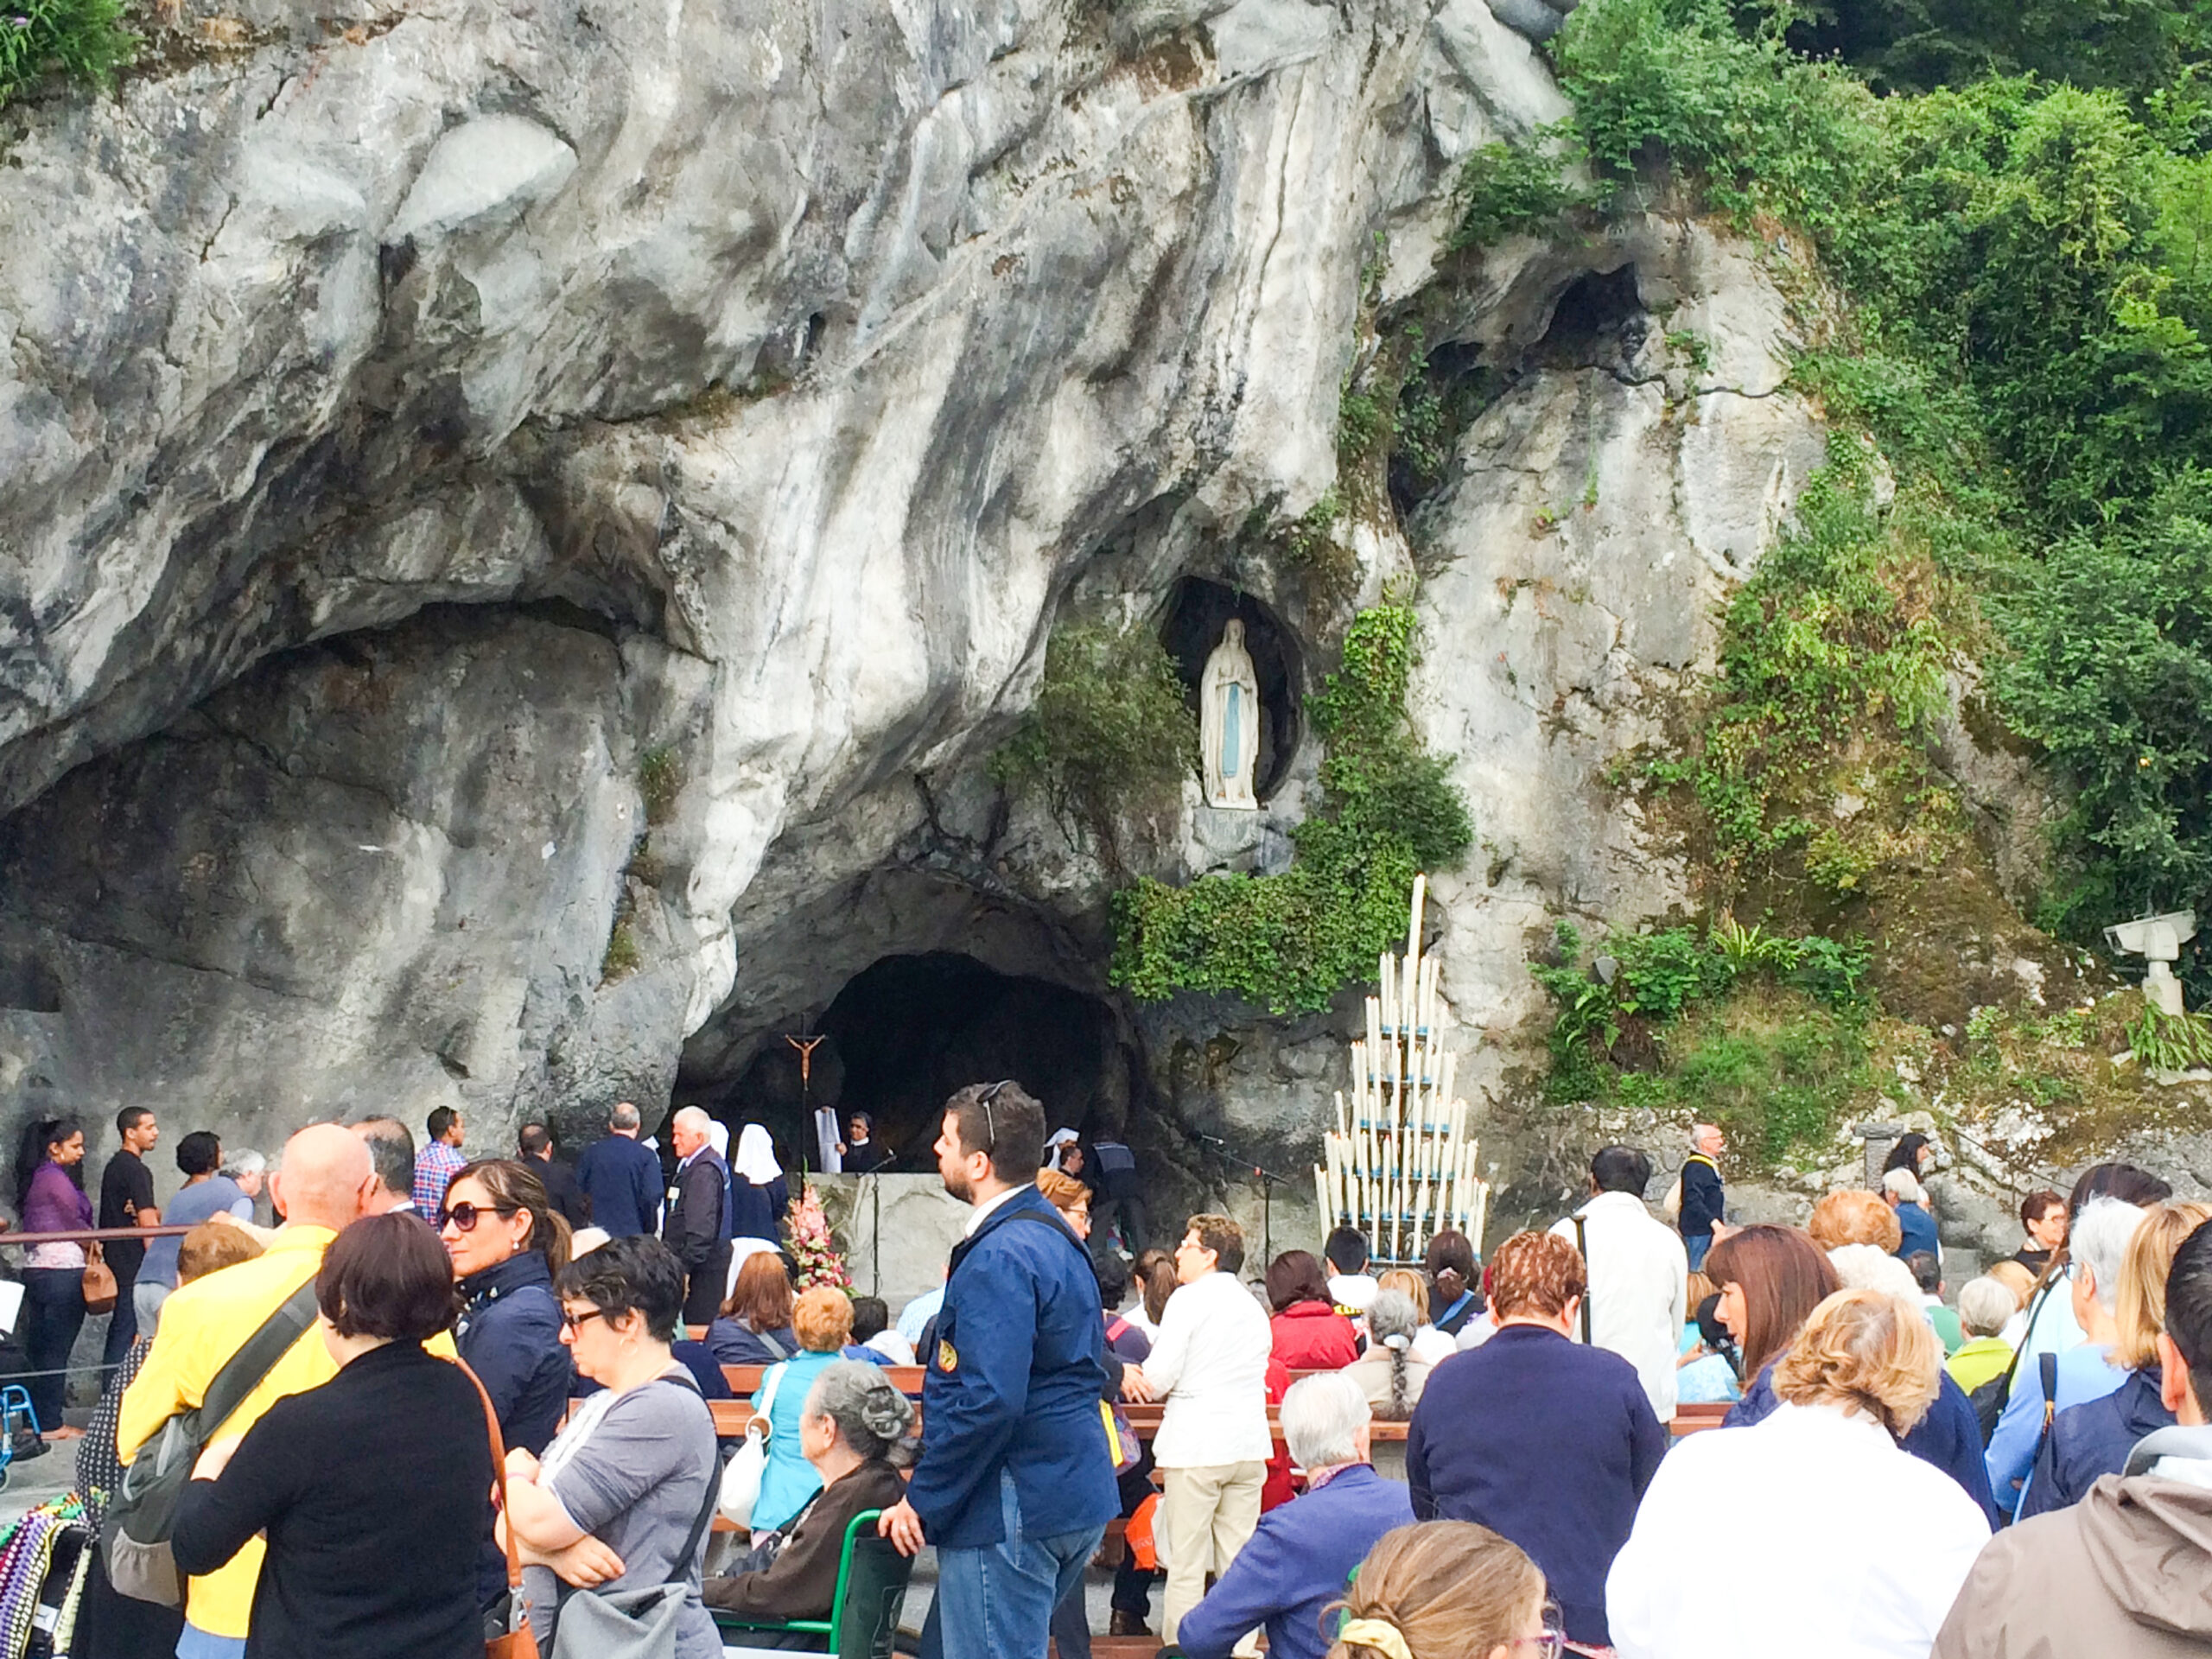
x=1228 y=723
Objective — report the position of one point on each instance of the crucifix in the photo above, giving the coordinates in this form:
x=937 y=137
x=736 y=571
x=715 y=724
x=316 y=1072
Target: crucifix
x=825 y=1120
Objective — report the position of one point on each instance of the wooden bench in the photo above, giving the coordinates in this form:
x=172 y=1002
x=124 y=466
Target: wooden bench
x=732 y=1415
x=1693 y=1420
x=745 y=1380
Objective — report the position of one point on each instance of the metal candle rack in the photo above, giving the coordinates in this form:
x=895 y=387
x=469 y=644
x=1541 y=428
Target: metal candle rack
x=1399 y=1165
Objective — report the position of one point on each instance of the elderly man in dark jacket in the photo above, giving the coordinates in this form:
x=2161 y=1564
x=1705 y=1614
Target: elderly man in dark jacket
x=697 y=1226
x=1297 y=1562
x=1014 y=1486
x=2127 y=1570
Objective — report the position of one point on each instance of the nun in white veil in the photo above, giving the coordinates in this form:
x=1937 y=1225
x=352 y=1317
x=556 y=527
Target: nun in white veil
x=759 y=1194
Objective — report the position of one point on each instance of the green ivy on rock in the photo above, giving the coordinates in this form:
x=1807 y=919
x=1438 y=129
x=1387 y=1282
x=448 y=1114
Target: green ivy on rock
x=1109 y=733
x=1289 y=941
x=84 y=41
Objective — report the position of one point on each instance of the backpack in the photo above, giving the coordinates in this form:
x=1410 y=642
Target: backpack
x=135 y=1537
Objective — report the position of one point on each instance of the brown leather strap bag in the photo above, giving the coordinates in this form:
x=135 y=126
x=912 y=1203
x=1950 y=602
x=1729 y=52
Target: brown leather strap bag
x=100 y=1287
x=520 y=1643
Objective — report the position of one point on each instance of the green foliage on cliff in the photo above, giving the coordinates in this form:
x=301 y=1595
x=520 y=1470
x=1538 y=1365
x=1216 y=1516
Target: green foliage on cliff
x=1761 y=1033
x=2028 y=283
x=1288 y=941
x=1109 y=734
x=84 y=41
x=1508 y=189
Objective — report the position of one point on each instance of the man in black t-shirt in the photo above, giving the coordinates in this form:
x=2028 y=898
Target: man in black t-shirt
x=127 y=1200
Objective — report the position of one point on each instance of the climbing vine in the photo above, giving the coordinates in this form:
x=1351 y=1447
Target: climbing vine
x=1289 y=940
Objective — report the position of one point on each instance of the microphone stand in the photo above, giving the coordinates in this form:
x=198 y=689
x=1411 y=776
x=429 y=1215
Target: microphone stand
x=1268 y=1181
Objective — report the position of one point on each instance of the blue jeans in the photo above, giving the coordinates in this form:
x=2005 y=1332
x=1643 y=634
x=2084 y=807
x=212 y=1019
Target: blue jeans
x=996 y=1602
x=197 y=1644
x=1697 y=1248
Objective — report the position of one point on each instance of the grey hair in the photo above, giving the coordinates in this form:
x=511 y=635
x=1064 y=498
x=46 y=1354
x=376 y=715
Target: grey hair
x=1904 y=1185
x=1322 y=1416
x=244 y=1162
x=872 y=1417
x=1392 y=1319
x=624 y=1116
x=1985 y=1306
x=2098 y=1241
x=691 y=1117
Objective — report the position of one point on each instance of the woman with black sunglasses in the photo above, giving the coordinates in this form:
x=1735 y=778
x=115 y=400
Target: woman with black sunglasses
x=506 y=1242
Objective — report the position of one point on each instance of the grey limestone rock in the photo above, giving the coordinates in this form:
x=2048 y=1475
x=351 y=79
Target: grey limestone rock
x=434 y=440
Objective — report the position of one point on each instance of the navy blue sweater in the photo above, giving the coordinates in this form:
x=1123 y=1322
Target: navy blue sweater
x=1013 y=1386
x=2094 y=1439
x=1949 y=1436
x=622 y=1179
x=1546 y=1443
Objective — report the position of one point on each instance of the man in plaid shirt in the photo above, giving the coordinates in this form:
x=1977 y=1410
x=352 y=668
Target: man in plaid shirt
x=439 y=1162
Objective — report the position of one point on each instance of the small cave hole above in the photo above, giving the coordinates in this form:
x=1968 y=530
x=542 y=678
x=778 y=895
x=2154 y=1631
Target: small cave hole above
x=907 y=1031
x=1198 y=611
x=1600 y=322
x=27 y=985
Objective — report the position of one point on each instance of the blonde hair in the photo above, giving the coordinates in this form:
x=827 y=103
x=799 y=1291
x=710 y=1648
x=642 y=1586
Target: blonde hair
x=1415 y=1285
x=2142 y=1312
x=211 y=1247
x=1855 y=1218
x=821 y=1319
x=1450 y=1589
x=2016 y=1277
x=1867 y=1350
x=1062 y=1191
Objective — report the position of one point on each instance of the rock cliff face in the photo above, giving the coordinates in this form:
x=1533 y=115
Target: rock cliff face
x=519 y=528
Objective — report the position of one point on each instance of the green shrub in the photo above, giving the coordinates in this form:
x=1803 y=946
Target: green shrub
x=83 y=40
x=1289 y=941
x=1508 y=189
x=2167 y=1042
x=1109 y=732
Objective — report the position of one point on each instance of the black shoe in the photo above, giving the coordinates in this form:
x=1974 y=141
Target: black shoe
x=1125 y=1623
x=30 y=1444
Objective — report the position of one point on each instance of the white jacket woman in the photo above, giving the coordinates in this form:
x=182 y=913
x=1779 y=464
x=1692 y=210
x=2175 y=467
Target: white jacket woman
x=1838 y=1545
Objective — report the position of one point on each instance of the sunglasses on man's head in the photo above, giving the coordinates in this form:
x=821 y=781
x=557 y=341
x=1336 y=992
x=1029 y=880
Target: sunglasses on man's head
x=464 y=1216
x=990 y=1125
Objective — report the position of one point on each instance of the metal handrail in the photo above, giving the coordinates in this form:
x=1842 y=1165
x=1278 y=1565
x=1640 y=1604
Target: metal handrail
x=101 y=1235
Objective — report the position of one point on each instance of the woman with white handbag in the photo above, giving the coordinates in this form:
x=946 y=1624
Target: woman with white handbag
x=821 y=1319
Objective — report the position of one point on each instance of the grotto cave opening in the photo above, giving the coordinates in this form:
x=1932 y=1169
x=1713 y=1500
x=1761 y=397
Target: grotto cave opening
x=908 y=1030
x=1198 y=611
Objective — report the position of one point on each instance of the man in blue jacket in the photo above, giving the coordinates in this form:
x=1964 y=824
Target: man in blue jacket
x=621 y=1178
x=1296 y=1563
x=1016 y=1485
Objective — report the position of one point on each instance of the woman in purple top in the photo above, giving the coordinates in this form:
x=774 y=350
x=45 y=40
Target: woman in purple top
x=50 y=1197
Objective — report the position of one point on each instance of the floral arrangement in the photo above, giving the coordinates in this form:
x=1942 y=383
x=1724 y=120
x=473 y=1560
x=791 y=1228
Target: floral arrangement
x=820 y=1262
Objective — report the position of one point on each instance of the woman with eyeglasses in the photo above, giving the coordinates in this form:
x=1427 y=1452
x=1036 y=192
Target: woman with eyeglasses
x=621 y=1498
x=1445 y=1590
x=507 y=1243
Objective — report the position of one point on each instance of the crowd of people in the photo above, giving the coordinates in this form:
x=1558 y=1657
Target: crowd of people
x=1352 y=1457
